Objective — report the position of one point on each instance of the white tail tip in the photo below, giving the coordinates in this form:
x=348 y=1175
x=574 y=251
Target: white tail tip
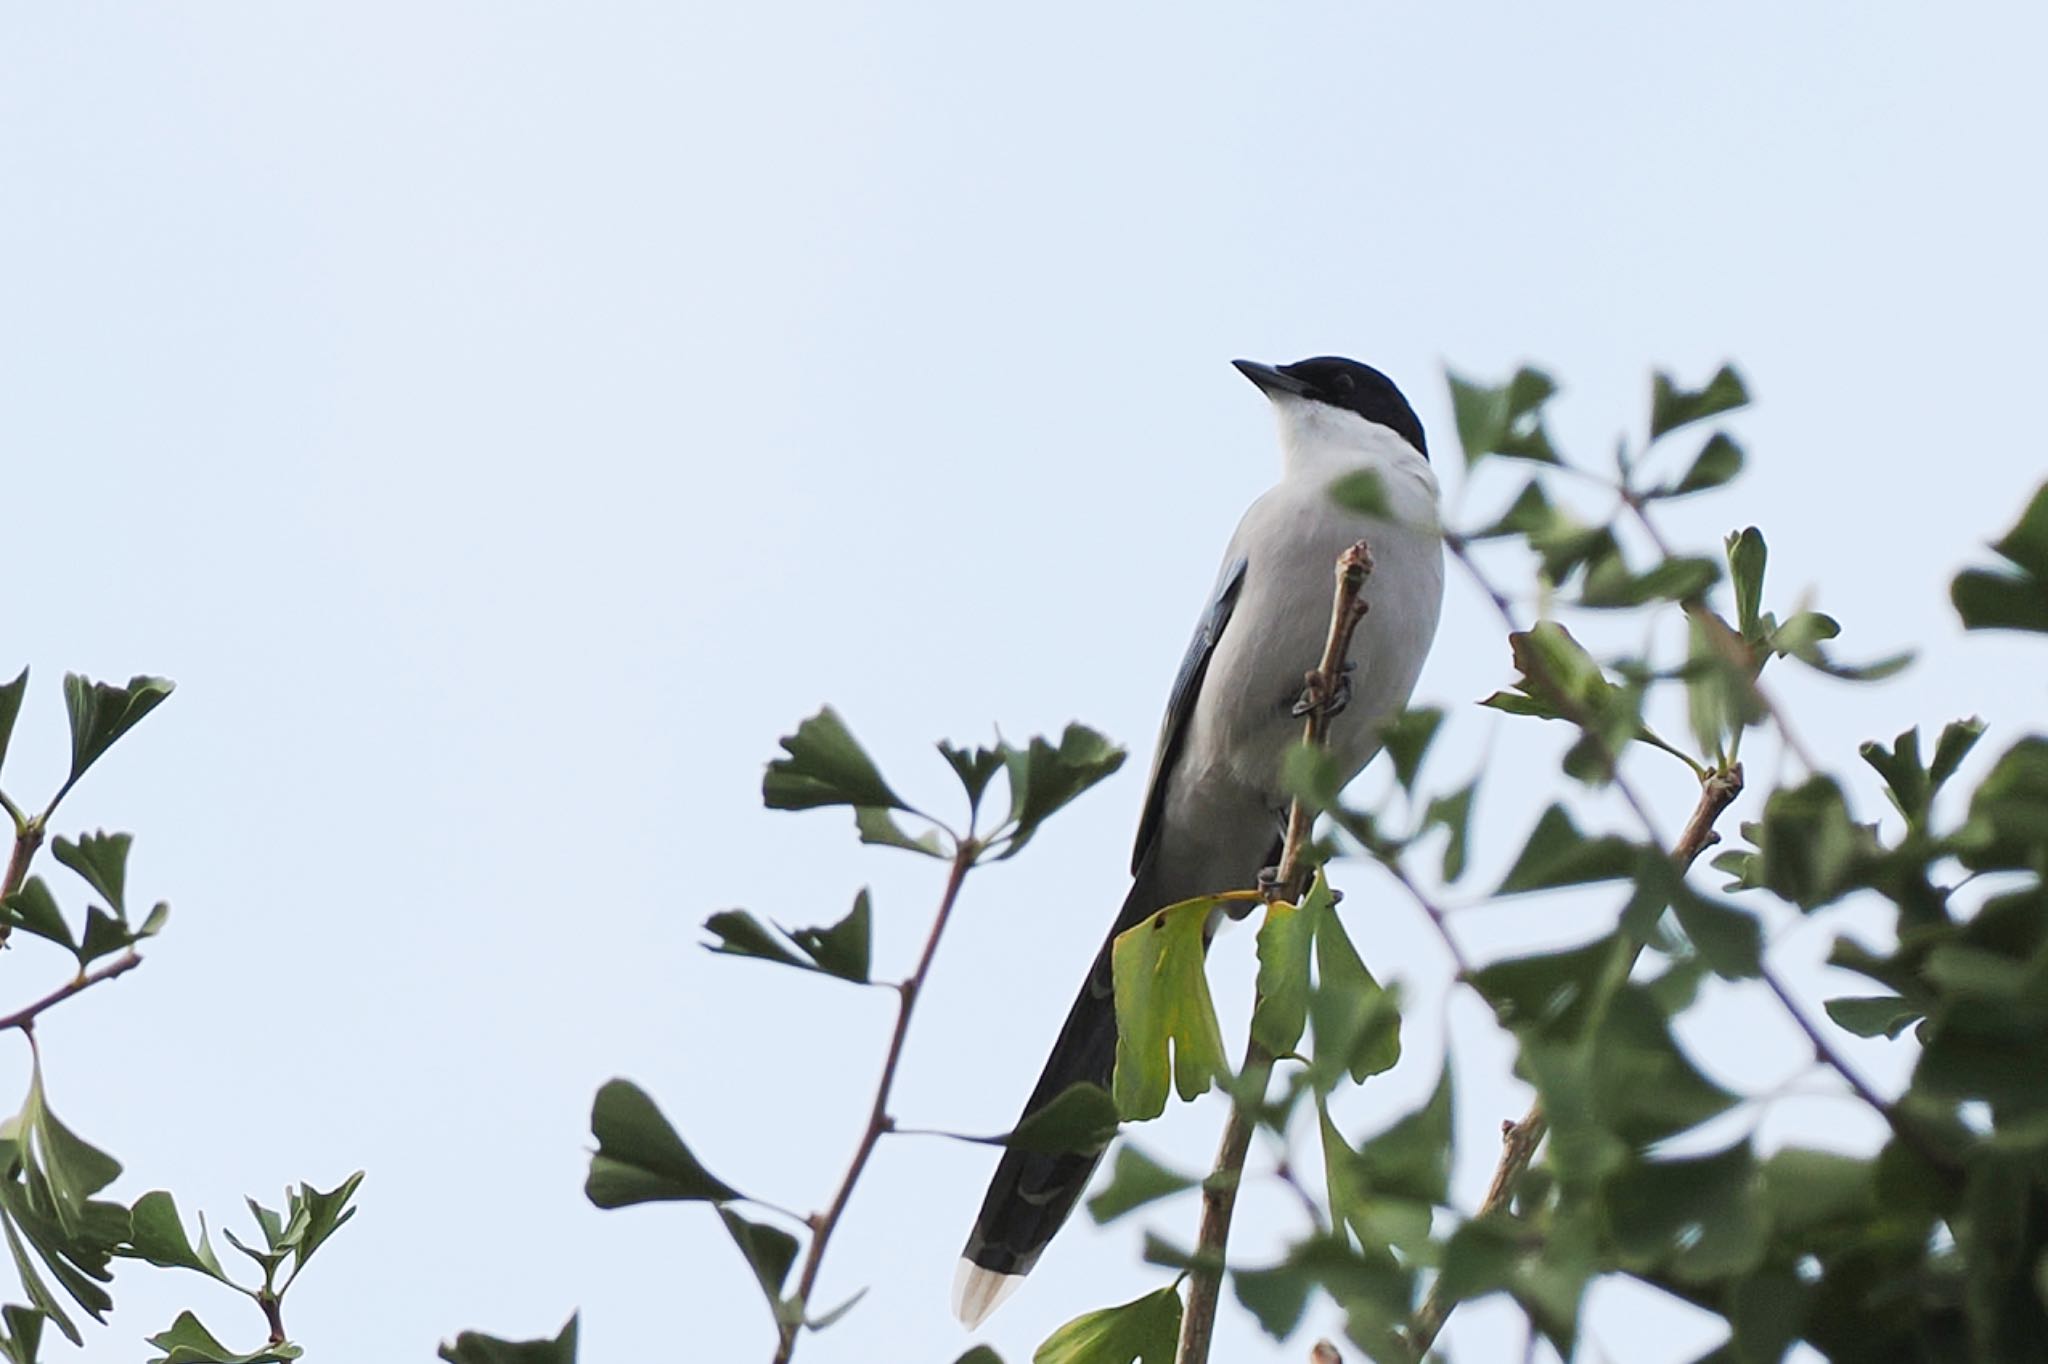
x=978 y=1292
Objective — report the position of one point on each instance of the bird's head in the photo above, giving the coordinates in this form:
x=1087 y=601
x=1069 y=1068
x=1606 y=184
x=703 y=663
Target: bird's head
x=1342 y=384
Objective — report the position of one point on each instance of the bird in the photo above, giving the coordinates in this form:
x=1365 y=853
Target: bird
x=1216 y=803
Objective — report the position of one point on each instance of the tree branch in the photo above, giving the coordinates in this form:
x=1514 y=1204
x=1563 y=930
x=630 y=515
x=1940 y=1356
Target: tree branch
x=1519 y=1140
x=879 y=1121
x=25 y=1018
x=1219 y=1190
x=28 y=838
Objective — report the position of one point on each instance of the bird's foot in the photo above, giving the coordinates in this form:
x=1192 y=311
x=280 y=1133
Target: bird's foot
x=1332 y=705
x=1269 y=887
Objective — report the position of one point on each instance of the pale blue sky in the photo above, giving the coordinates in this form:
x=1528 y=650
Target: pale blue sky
x=504 y=420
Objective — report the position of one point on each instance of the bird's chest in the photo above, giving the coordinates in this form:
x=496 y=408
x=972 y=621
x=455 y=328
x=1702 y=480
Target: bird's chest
x=1279 y=631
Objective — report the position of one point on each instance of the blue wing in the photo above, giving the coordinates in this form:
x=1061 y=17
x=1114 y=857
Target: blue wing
x=1187 y=684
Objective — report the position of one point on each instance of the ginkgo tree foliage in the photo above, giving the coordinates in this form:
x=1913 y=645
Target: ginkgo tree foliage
x=64 y=1234
x=1935 y=1247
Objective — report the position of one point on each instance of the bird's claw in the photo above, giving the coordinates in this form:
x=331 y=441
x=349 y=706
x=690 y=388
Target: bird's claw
x=1333 y=705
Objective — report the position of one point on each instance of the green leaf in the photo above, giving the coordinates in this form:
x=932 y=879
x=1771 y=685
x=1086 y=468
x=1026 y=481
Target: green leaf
x=1809 y=850
x=1044 y=778
x=1801 y=635
x=315 y=1216
x=1766 y=1313
x=1808 y=1190
x=975 y=767
x=1163 y=1010
x=740 y=934
x=1309 y=773
x=1717 y=463
x=1904 y=777
x=33 y=1285
x=72 y=1169
x=33 y=909
x=186 y=1341
x=825 y=765
x=101 y=713
x=841 y=950
x=1698 y=1218
x=878 y=827
x=1958 y=737
x=1730 y=939
x=639 y=1157
x=2017 y=600
x=103 y=936
x=1530 y=514
x=1561 y=681
x=1146 y=1329
x=1504 y=420
x=819 y=1323
x=24 y=1334
x=2008 y=822
x=1644 y=1088
x=1356 y=1021
x=1672 y=407
x=1277 y=1297
x=1719 y=693
x=1453 y=813
x=1286 y=939
x=102 y=859
x=1362 y=491
x=1412 y=1158
x=1989 y=600
x=157 y=1234
x=1555 y=994
x=1081 y=1117
x=770 y=1251
x=1135 y=1180
x=1557 y=854
x=1609 y=584
x=1407 y=738
x=1747 y=556
x=1873 y=1015
x=472 y=1347
x=10 y=707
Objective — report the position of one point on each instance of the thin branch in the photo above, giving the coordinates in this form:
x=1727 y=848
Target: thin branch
x=1519 y=1140
x=1219 y=1191
x=25 y=1018
x=1825 y=1052
x=273 y=1313
x=27 y=839
x=879 y=1121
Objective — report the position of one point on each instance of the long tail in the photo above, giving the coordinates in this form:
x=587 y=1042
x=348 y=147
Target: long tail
x=1031 y=1195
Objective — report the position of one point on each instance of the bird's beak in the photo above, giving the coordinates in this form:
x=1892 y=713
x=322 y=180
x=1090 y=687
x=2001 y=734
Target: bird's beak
x=1269 y=379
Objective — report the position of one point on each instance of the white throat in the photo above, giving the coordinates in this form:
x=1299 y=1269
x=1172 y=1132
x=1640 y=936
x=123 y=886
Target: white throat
x=1323 y=441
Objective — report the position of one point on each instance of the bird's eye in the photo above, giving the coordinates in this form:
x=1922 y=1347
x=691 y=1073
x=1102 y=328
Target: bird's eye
x=1346 y=382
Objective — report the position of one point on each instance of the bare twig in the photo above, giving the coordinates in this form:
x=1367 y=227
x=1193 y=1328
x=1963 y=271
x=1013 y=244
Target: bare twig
x=1825 y=1053
x=1219 y=1191
x=879 y=1121
x=25 y=1018
x=1519 y=1140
